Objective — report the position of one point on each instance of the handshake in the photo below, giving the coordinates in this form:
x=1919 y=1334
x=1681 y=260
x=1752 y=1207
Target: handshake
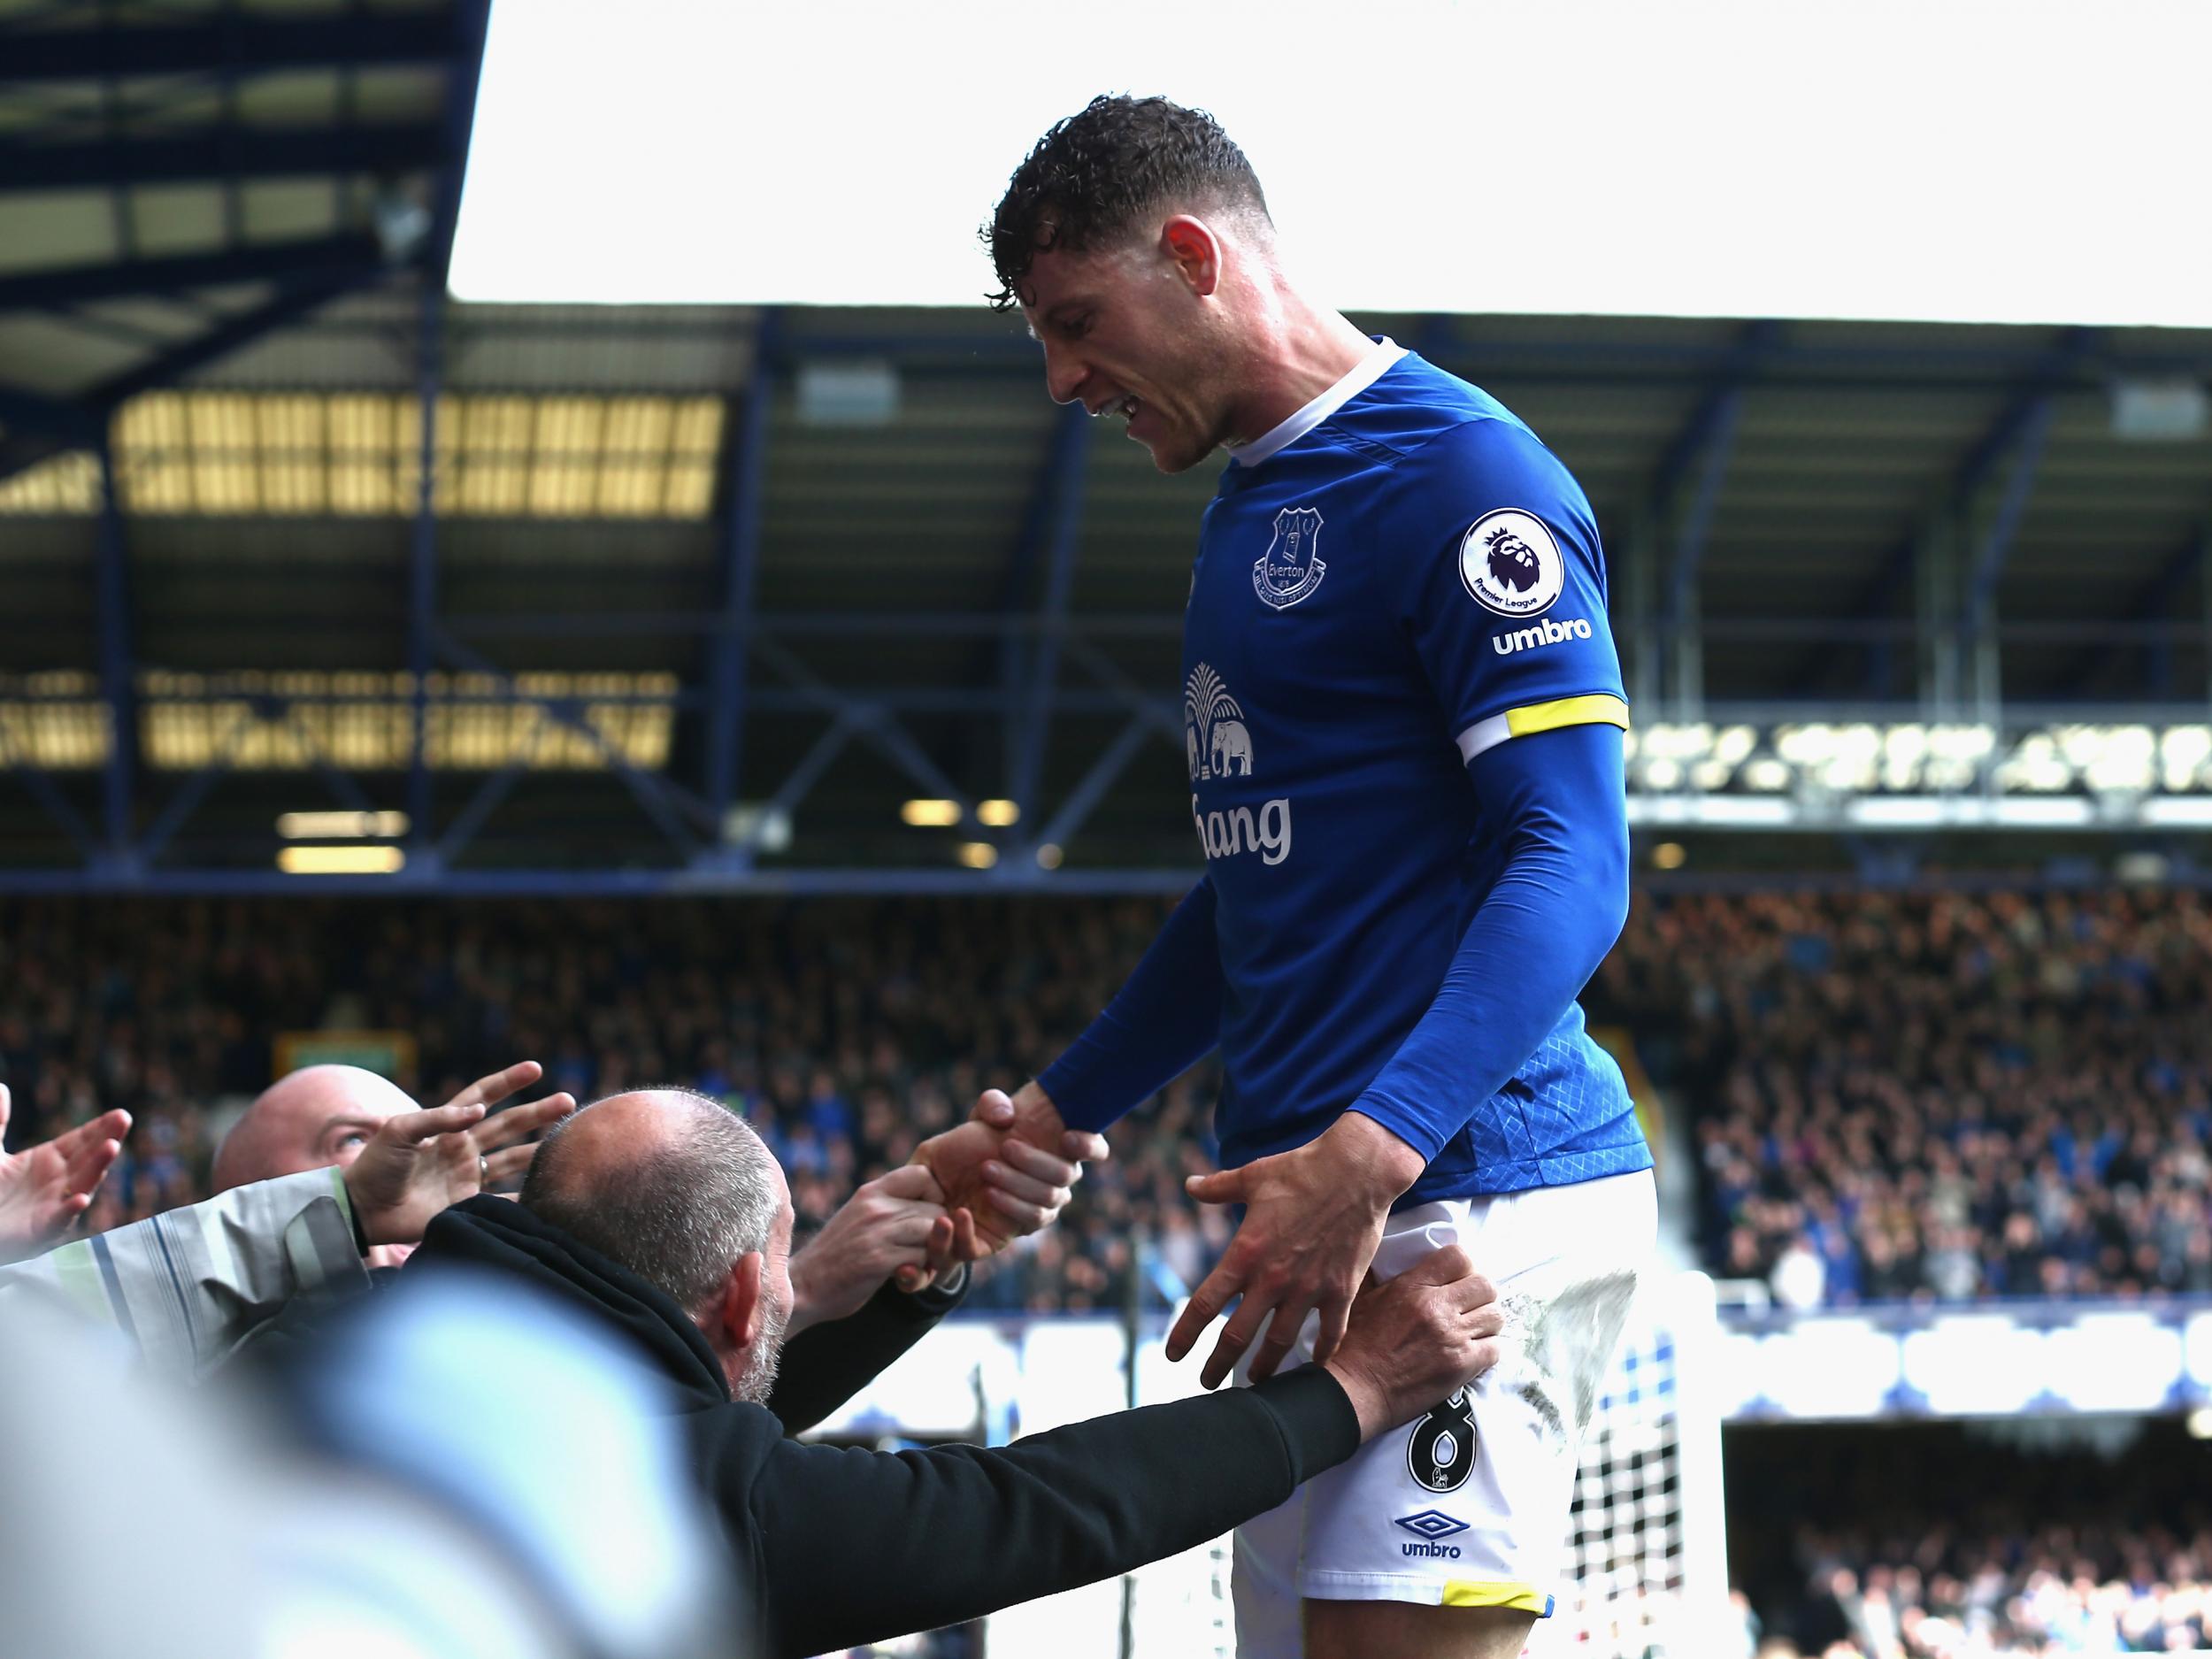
x=968 y=1194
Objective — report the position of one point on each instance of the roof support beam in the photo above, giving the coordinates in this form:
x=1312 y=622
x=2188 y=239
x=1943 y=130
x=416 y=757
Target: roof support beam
x=796 y=788
x=72 y=425
x=422 y=563
x=660 y=799
x=228 y=43
x=43 y=790
x=262 y=262
x=744 y=484
x=1996 y=546
x=241 y=329
x=871 y=717
x=257 y=153
x=1703 y=446
x=91 y=413
x=2027 y=409
x=1006 y=663
x=118 y=679
x=1084 y=798
x=1071 y=450
x=2151 y=604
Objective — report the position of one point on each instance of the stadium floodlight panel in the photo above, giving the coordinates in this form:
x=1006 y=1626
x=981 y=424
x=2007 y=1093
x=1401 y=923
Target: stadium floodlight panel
x=341 y=825
x=1890 y=160
x=342 y=861
x=978 y=855
x=996 y=814
x=928 y=814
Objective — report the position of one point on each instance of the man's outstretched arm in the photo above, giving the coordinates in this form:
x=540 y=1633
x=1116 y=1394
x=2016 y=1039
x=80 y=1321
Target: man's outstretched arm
x=850 y=1546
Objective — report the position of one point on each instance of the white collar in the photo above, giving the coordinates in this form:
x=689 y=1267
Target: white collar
x=1364 y=373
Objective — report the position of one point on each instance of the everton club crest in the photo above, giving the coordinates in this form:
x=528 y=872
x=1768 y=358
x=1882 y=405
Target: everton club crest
x=1291 y=568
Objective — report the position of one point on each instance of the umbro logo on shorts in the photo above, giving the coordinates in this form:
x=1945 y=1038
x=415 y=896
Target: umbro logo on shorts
x=1433 y=1526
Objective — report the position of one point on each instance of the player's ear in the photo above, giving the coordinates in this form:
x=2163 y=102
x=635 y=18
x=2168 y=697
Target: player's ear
x=1196 y=251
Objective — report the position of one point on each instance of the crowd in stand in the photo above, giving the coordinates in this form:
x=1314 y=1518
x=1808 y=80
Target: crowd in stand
x=846 y=1031
x=1944 y=1096
x=2054 y=1593
x=1964 y=1549
x=1937 y=1097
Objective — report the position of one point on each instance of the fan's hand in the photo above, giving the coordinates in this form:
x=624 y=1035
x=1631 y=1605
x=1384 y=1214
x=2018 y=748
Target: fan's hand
x=417 y=1164
x=46 y=1188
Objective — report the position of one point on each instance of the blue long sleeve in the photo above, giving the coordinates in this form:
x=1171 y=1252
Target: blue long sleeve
x=1164 y=1019
x=1556 y=799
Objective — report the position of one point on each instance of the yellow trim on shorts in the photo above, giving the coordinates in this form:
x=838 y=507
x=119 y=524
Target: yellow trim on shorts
x=1524 y=1598
x=1549 y=717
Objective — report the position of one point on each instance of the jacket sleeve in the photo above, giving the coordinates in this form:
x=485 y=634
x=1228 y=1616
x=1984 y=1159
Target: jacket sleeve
x=855 y=1546
x=825 y=1365
x=185 y=1288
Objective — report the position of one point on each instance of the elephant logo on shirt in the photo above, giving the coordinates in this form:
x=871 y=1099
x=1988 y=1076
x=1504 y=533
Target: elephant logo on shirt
x=1230 y=752
x=1216 y=741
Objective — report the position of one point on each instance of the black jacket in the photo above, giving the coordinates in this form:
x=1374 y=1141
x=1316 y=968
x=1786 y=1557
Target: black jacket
x=837 y=1548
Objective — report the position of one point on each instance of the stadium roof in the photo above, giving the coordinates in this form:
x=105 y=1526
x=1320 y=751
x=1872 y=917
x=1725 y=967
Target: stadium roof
x=816 y=563
x=177 y=179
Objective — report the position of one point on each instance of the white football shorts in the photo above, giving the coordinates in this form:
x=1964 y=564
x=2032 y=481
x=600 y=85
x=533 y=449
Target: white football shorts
x=1467 y=1506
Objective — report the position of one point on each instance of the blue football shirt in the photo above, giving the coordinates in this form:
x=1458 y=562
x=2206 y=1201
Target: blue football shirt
x=1397 y=579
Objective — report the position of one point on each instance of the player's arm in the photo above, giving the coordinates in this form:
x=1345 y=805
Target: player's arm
x=1556 y=801
x=1165 y=1020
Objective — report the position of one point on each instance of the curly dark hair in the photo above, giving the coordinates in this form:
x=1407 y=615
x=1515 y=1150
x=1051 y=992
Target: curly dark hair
x=1092 y=177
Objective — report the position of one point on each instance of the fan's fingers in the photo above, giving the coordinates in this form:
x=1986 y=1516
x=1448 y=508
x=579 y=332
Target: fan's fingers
x=506 y=1127
x=499 y=1084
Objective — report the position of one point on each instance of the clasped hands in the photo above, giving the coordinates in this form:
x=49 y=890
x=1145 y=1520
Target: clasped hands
x=968 y=1194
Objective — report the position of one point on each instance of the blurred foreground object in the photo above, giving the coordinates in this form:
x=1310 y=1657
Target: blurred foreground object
x=413 y=1513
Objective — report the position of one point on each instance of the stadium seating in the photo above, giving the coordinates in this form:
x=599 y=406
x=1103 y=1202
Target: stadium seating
x=1945 y=1096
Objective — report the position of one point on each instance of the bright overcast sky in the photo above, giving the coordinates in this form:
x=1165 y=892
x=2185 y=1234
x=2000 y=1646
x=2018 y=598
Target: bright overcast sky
x=1911 y=159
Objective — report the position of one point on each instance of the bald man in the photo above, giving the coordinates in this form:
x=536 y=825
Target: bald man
x=320 y=1117
x=309 y=1119
x=667 y=1217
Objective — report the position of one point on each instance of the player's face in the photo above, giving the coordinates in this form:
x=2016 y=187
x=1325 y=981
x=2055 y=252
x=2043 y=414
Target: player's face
x=1124 y=336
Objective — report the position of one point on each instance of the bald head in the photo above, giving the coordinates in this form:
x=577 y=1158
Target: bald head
x=669 y=1183
x=308 y=1119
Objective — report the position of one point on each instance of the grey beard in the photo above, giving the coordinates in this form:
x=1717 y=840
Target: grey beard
x=758 y=1380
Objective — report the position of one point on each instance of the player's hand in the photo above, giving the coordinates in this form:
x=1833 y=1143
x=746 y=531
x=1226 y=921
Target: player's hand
x=1012 y=1166
x=896 y=1221
x=417 y=1164
x=45 y=1187
x=1313 y=1220
x=1411 y=1342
